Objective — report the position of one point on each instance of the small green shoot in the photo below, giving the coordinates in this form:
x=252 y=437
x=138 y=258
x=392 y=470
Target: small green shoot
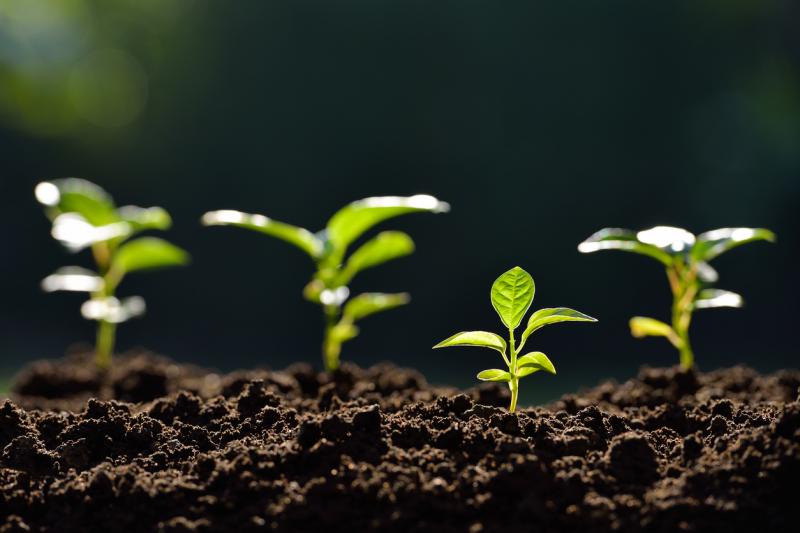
x=327 y=248
x=512 y=295
x=685 y=257
x=85 y=216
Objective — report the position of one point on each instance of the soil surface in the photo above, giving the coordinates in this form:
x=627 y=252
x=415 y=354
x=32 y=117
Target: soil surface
x=168 y=447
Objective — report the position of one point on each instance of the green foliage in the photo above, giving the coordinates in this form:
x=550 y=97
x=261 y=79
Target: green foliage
x=334 y=271
x=85 y=216
x=685 y=257
x=512 y=294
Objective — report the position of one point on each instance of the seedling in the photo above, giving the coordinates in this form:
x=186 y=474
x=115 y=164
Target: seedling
x=686 y=259
x=85 y=216
x=327 y=248
x=512 y=295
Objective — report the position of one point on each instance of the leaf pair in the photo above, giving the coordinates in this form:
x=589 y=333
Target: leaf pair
x=84 y=215
x=667 y=243
x=329 y=246
x=511 y=296
x=526 y=365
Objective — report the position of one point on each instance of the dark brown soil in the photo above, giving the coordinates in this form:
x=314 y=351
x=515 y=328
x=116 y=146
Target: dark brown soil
x=381 y=449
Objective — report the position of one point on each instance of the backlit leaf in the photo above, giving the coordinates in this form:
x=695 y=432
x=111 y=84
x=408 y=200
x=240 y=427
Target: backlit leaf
x=112 y=310
x=145 y=218
x=706 y=272
x=713 y=243
x=383 y=247
x=343 y=332
x=553 y=315
x=533 y=362
x=76 y=233
x=300 y=237
x=709 y=298
x=668 y=238
x=649 y=327
x=475 y=338
x=495 y=374
x=625 y=240
x=147 y=253
x=350 y=222
x=74 y=195
x=369 y=303
x=512 y=295
x=74 y=279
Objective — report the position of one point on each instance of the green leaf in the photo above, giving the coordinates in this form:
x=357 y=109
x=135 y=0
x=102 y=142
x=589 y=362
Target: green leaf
x=553 y=315
x=300 y=237
x=350 y=222
x=475 y=338
x=643 y=327
x=343 y=332
x=76 y=233
x=512 y=295
x=110 y=309
x=706 y=272
x=533 y=362
x=146 y=253
x=668 y=238
x=625 y=240
x=369 y=303
x=74 y=279
x=141 y=218
x=383 y=247
x=494 y=374
x=710 y=298
x=74 y=195
x=713 y=243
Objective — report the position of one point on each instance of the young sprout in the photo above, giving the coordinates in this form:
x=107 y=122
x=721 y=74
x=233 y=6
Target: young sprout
x=85 y=216
x=686 y=258
x=512 y=295
x=327 y=248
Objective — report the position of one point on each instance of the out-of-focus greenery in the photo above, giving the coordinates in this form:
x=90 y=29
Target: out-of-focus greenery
x=69 y=64
x=329 y=286
x=85 y=216
x=552 y=117
x=686 y=258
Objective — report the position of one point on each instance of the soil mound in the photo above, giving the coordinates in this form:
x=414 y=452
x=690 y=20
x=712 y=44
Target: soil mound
x=380 y=449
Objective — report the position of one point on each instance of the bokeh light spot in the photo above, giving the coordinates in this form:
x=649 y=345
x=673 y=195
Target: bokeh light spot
x=108 y=88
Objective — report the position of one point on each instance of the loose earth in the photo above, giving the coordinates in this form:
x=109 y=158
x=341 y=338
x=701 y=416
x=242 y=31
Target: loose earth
x=156 y=446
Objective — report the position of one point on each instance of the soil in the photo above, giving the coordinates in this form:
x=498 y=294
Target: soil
x=168 y=447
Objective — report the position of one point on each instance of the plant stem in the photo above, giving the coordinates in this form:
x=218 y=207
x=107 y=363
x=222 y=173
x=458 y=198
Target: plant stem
x=686 y=354
x=104 y=348
x=514 y=386
x=514 y=383
x=330 y=348
x=106 y=331
x=684 y=289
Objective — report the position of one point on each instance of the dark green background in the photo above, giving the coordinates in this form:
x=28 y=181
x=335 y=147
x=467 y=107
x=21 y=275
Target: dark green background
x=539 y=122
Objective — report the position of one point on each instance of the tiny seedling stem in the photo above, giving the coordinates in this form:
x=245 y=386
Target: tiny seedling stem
x=330 y=348
x=514 y=383
x=106 y=334
x=684 y=287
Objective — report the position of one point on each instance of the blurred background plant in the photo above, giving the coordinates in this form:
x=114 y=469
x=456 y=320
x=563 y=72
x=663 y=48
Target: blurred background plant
x=553 y=117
